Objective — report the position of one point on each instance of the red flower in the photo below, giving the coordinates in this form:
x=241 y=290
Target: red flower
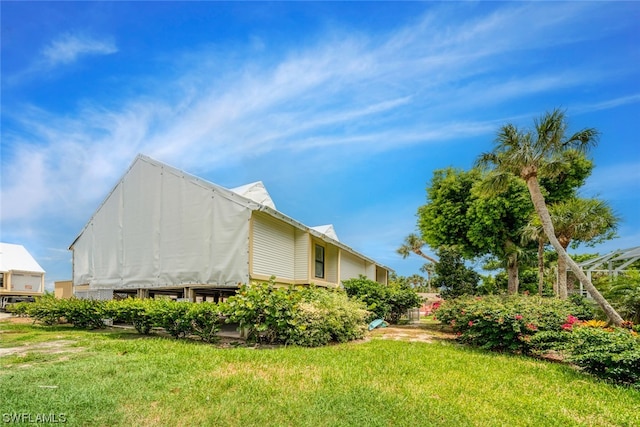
x=572 y=319
x=518 y=317
x=470 y=323
x=567 y=326
x=532 y=327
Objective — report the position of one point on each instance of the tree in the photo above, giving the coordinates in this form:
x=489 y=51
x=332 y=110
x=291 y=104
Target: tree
x=459 y=213
x=496 y=223
x=579 y=220
x=529 y=154
x=453 y=277
x=443 y=221
x=534 y=233
x=414 y=244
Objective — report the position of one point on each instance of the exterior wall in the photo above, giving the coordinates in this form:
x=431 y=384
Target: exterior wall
x=274 y=248
x=287 y=252
x=22 y=283
x=63 y=289
x=381 y=275
x=161 y=229
x=302 y=257
x=351 y=267
x=370 y=270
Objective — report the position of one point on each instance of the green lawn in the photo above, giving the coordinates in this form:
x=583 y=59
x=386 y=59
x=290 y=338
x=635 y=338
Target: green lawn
x=118 y=378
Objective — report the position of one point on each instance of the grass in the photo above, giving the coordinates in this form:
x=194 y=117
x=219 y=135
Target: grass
x=118 y=378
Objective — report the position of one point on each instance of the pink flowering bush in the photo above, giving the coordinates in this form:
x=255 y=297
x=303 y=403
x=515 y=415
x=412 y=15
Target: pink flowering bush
x=508 y=323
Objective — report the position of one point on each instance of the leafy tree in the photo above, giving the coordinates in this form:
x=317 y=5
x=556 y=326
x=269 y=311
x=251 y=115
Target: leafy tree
x=453 y=277
x=443 y=219
x=571 y=174
x=496 y=224
x=459 y=213
x=529 y=154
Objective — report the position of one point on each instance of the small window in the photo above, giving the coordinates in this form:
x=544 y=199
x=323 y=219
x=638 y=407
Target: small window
x=319 y=262
x=1 y=280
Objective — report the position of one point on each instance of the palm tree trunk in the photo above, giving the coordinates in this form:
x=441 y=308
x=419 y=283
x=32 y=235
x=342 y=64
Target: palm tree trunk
x=540 y=266
x=541 y=209
x=425 y=256
x=512 y=274
x=562 y=276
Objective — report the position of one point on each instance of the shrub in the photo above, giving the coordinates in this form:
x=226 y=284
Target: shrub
x=83 y=313
x=506 y=323
x=134 y=311
x=308 y=317
x=46 y=309
x=325 y=315
x=611 y=354
x=263 y=311
x=171 y=315
x=387 y=302
x=20 y=309
x=206 y=320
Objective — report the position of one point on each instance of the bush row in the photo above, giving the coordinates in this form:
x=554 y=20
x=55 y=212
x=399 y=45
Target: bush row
x=609 y=353
x=534 y=325
x=507 y=323
x=306 y=316
x=180 y=319
x=388 y=302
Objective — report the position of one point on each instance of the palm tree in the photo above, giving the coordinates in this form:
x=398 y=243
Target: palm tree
x=583 y=220
x=430 y=269
x=528 y=154
x=531 y=232
x=413 y=244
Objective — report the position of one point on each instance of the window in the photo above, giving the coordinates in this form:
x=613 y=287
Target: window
x=319 y=262
x=1 y=280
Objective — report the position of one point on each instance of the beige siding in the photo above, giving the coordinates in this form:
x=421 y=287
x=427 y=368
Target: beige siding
x=381 y=275
x=331 y=264
x=301 y=261
x=351 y=267
x=370 y=270
x=273 y=247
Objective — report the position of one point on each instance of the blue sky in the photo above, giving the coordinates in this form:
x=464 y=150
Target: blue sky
x=343 y=110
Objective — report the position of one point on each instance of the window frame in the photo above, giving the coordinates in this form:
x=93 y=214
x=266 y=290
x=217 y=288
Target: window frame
x=319 y=261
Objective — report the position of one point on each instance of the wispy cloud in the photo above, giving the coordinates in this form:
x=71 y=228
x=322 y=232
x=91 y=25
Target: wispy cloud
x=64 y=50
x=67 y=48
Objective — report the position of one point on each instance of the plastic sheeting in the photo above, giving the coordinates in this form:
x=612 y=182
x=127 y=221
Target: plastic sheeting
x=159 y=228
x=257 y=192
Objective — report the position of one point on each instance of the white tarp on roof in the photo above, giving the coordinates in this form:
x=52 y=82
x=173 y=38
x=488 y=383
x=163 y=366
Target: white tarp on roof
x=257 y=192
x=159 y=227
x=327 y=230
x=17 y=258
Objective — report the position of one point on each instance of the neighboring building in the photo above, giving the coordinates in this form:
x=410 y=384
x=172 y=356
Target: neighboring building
x=161 y=230
x=63 y=289
x=21 y=277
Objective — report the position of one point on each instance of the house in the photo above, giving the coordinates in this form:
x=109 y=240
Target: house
x=163 y=231
x=21 y=277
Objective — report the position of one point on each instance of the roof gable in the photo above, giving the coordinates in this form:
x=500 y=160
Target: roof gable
x=257 y=192
x=17 y=258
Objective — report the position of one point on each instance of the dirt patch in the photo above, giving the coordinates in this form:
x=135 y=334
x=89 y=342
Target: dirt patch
x=49 y=347
x=411 y=333
x=8 y=317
